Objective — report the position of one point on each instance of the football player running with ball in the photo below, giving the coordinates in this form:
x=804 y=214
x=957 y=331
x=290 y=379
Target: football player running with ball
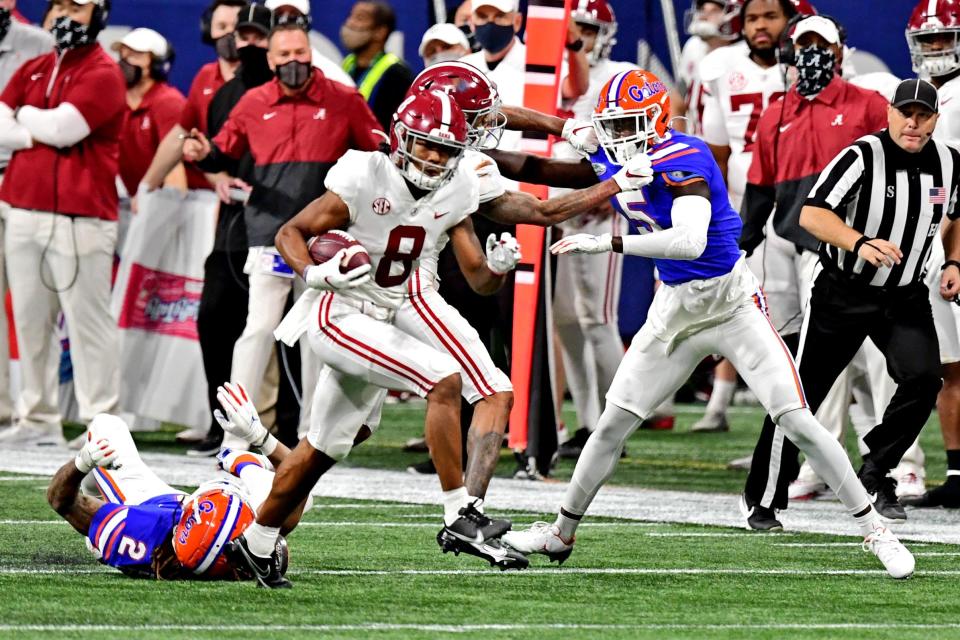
x=400 y=207
x=709 y=303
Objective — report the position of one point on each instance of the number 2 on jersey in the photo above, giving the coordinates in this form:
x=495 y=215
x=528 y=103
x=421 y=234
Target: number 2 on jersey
x=404 y=246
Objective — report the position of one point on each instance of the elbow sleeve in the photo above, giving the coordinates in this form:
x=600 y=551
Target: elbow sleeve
x=691 y=220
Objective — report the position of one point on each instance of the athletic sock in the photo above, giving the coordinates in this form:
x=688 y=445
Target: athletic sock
x=868 y=521
x=261 y=540
x=721 y=397
x=453 y=501
x=567 y=523
x=953 y=465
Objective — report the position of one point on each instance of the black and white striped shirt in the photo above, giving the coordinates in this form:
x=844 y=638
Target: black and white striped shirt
x=885 y=192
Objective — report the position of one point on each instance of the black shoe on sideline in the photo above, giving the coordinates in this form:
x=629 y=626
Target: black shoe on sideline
x=571 y=449
x=267 y=571
x=209 y=447
x=424 y=468
x=759 y=518
x=946 y=495
x=883 y=493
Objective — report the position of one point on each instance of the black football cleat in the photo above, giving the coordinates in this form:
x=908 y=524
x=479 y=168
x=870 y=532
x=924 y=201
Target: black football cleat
x=491 y=550
x=472 y=520
x=883 y=493
x=267 y=571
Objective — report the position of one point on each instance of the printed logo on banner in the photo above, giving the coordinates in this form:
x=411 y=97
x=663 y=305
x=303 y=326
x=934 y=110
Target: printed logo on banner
x=161 y=302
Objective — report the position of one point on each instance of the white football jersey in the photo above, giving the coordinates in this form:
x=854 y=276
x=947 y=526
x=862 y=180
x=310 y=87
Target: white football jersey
x=491 y=186
x=736 y=91
x=948 y=124
x=396 y=229
x=694 y=50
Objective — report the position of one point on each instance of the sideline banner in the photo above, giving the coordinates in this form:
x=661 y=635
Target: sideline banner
x=156 y=301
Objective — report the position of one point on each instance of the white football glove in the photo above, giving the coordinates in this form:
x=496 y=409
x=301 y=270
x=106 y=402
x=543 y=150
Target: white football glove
x=327 y=276
x=636 y=174
x=242 y=419
x=583 y=243
x=96 y=454
x=503 y=254
x=581 y=136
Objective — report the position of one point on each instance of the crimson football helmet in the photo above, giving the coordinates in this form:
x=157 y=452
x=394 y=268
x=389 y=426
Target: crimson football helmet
x=632 y=115
x=598 y=14
x=430 y=120
x=933 y=36
x=475 y=94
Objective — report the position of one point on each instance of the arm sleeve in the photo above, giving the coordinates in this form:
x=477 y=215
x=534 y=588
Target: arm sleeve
x=363 y=125
x=61 y=127
x=13 y=135
x=838 y=181
x=685 y=240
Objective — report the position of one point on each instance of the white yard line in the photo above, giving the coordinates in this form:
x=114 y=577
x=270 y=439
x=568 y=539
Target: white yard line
x=628 y=503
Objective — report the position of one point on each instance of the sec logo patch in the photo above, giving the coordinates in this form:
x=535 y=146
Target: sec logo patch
x=381 y=206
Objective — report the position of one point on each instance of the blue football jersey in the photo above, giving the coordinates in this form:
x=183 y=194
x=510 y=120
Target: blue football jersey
x=677 y=161
x=127 y=535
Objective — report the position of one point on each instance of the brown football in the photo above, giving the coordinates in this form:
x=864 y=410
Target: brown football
x=324 y=247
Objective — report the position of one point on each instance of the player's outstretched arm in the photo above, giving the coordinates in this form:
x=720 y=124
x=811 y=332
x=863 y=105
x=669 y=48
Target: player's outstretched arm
x=327 y=212
x=484 y=272
x=524 y=167
x=64 y=494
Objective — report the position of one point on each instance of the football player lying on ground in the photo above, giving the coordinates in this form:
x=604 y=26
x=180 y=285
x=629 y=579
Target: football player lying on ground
x=399 y=207
x=710 y=303
x=146 y=528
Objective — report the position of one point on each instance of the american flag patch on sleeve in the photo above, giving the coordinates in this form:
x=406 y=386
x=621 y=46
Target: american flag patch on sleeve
x=938 y=195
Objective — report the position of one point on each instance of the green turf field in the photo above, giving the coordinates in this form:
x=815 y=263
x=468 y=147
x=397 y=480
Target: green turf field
x=373 y=570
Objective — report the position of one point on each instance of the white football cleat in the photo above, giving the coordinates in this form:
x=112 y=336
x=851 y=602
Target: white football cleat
x=711 y=423
x=801 y=489
x=543 y=538
x=910 y=485
x=896 y=558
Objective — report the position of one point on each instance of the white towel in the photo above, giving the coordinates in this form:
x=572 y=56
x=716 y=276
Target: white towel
x=297 y=320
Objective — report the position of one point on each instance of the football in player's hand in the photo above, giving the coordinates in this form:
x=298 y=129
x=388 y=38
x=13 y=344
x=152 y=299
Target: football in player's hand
x=324 y=247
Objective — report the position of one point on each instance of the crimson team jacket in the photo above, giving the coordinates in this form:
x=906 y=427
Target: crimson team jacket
x=78 y=180
x=293 y=141
x=796 y=138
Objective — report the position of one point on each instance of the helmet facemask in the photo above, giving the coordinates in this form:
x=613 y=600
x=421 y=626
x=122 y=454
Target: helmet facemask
x=934 y=63
x=485 y=126
x=624 y=134
x=425 y=174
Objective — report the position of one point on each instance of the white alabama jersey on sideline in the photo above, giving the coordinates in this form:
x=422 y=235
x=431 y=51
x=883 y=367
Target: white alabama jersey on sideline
x=394 y=228
x=427 y=316
x=737 y=90
x=694 y=51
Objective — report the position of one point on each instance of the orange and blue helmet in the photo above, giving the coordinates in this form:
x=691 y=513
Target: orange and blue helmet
x=214 y=515
x=632 y=114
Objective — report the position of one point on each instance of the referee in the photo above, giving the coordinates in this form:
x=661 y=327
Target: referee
x=875 y=209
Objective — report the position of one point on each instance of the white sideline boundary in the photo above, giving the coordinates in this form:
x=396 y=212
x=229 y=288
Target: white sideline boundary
x=629 y=503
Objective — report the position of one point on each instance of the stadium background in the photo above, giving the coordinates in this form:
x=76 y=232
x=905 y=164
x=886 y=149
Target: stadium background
x=638 y=19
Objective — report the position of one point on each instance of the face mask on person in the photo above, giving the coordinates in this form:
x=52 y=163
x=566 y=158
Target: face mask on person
x=293 y=74
x=4 y=22
x=355 y=39
x=68 y=33
x=253 y=64
x=494 y=37
x=131 y=74
x=442 y=56
x=815 y=69
x=227 y=48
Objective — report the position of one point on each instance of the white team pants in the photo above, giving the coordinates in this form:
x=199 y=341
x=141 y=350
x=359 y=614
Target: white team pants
x=256 y=346
x=425 y=315
x=55 y=263
x=365 y=355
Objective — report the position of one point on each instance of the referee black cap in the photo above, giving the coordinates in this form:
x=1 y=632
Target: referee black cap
x=916 y=91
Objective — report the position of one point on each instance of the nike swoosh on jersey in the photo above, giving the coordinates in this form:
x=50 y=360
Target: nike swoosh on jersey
x=437 y=215
x=785 y=127
x=267 y=116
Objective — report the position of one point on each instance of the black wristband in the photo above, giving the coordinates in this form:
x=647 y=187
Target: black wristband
x=950 y=263
x=574 y=46
x=859 y=243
